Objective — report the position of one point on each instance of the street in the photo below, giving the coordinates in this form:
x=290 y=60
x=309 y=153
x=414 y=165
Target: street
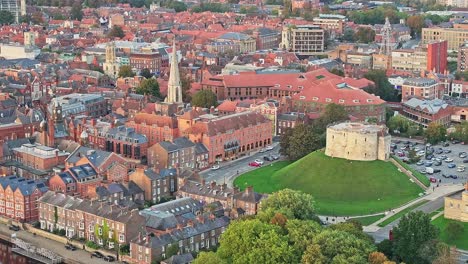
x=228 y=171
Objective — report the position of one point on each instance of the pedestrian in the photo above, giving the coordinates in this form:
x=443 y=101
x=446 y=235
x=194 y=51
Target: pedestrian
x=91 y=255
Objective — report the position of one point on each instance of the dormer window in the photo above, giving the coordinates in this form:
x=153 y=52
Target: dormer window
x=315 y=98
x=277 y=85
x=355 y=101
x=289 y=86
x=302 y=97
x=328 y=100
x=300 y=87
x=341 y=101
x=370 y=100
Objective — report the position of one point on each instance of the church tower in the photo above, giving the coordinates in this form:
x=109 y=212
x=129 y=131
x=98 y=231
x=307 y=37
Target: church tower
x=111 y=67
x=386 y=45
x=174 y=87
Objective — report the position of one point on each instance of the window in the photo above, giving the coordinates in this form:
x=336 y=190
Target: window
x=121 y=238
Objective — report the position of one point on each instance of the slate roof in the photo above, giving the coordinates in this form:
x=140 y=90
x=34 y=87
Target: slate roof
x=60 y=200
x=179 y=259
x=234 y=36
x=83 y=172
x=126 y=134
x=179 y=143
x=429 y=106
x=95 y=156
x=200 y=148
x=26 y=187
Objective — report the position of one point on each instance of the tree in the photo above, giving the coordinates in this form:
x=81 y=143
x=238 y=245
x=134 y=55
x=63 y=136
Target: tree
x=354 y=228
x=177 y=6
x=149 y=87
x=313 y=255
x=172 y=250
x=208 y=258
x=364 y=35
x=454 y=230
x=377 y=258
x=342 y=247
x=382 y=86
x=205 y=98
x=447 y=255
x=413 y=158
x=337 y=72
x=348 y=35
x=333 y=113
x=252 y=241
x=435 y=133
x=116 y=32
x=461 y=132
x=413 y=231
x=76 y=12
x=126 y=71
x=415 y=23
x=301 y=232
x=386 y=247
x=300 y=141
x=6 y=17
x=293 y=204
x=186 y=83
x=137 y=3
x=146 y=73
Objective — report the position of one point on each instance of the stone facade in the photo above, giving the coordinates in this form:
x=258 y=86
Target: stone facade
x=455 y=208
x=358 y=141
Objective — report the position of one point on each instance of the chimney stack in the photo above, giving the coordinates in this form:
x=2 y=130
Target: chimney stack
x=213 y=184
x=139 y=236
x=249 y=190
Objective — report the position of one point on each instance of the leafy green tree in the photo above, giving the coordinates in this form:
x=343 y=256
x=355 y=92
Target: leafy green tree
x=300 y=141
x=337 y=72
x=413 y=158
x=293 y=204
x=413 y=231
x=454 y=230
x=252 y=241
x=137 y=3
x=6 y=17
x=178 y=6
x=354 y=228
x=205 y=98
x=447 y=255
x=149 y=87
x=126 y=71
x=382 y=86
x=435 y=133
x=313 y=255
x=213 y=7
x=342 y=247
x=377 y=258
x=208 y=258
x=172 y=250
x=333 y=113
x=364 y=35
x=116 y=32
x=416 y=23
x=76 y=12
x=186 y=84
x=386 y=247
x=301 y=232
x=461 y=132
x=146 y=73
x=348 y=35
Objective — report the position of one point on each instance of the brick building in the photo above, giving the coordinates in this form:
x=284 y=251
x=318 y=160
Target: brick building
x=424 y=112
x=421 y=88
x=80 y=181
x=151 y=61
x=155 y=185
x=156 y=128
x=177 y=154
x=229 y=137
x=125 y=141
x=18 y=198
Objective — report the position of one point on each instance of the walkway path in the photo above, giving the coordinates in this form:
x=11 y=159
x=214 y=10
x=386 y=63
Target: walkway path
x=409 y=173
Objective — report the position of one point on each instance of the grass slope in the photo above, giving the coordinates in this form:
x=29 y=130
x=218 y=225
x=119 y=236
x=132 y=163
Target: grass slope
x=339 y=186
x=368 y=220
x=402 y=213
x=461 y=242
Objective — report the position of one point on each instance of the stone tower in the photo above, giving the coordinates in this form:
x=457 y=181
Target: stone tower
x=174 y=86
x=386 y=46
x=111 y=67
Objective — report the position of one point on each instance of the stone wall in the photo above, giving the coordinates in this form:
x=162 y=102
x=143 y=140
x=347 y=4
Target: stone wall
x=455 y=208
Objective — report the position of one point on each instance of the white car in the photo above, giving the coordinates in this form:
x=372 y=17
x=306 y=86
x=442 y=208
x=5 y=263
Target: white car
x=258 y=161
x=269 y=148
x=448 y=160
x=262 y=150
x=461 y=168
x=214 y=167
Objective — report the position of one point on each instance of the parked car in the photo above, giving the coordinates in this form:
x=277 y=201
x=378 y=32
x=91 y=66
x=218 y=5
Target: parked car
x=448 y=160
x=269 y=148
x=462 y=156
x=461 y=168
x=447 y=151
x=451 y=166
x=259 y=161
x=437 y=163
x=437 y=170
x=14 y=228
x=262 y=150
x=419 y=163
x=429 y=157
x=275 y=157
x=453 y=176
x=214 y=167
x=455 y=142
x=465 y=161
x=268 y=158
x=70 y=247
x=422 y=171
x=445 y=175
x=109 y=258
x=97 y=254
x=433 y=180
x=439 y=151
x=254 y=164
x=429 y=170
x=446 y=144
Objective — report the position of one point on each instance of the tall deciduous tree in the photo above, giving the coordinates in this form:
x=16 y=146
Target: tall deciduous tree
x=300 y=141
x=116 y=32
x=382 y=86
x=377 y=258
x=146 y=73
x=76 y=12
x=313 y=255
x=415 y=23
x=6 y=17
x=208 y=258
x=293 y=204
x=413 y=231
x=253 y=241
x=365 y=35
x=435 y=133
x=205 y=98
x=126 y=71
x=149 y=87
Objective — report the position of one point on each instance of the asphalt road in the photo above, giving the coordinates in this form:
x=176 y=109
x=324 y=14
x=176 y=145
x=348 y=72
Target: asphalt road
x=429 y=207
x=227 y=171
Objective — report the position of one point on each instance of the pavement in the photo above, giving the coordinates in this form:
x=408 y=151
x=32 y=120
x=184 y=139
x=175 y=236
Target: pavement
x=78 y=256
x=229 y=170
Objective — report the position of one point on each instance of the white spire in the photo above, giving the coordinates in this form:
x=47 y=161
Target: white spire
x=174 y=87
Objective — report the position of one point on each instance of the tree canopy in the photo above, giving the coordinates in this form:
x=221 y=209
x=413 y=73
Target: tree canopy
x=6 y=17
x=149 y=87
x=292 y=204
x=126 y=71
x=116 y=32
x=205 y=98
x=146 y=73
x=76 y=12
x=382 y=86
x=435 y=133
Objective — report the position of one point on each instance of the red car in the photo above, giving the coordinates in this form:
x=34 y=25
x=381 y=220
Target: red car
x=433 y=180
x=254 y=164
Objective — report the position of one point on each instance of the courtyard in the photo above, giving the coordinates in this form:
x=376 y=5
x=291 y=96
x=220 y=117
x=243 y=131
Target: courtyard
x=340 y=187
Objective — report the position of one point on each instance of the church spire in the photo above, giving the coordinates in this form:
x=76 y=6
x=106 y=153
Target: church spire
x=174 y=87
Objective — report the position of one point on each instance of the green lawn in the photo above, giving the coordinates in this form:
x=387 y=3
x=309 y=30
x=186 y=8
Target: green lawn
x=339 y=186
x=368 y=220
x=402 y=213
x=421 y=177
x=436 y=212
x=461 y=242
